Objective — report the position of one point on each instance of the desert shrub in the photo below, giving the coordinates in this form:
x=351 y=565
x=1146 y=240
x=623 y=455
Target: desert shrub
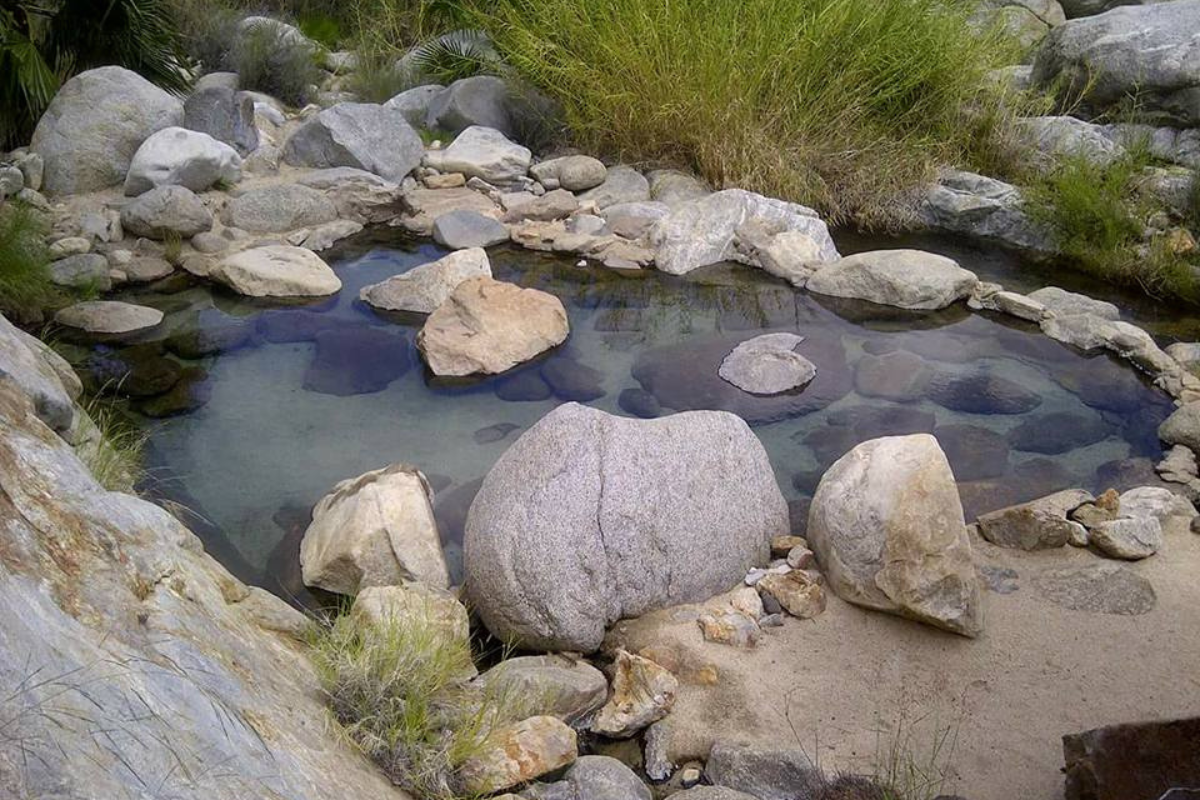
x=1098 y=219
x=377 y=78
x=397 y=687
x=25 y=284
x=43 y=44
x=841 y=104
x=266 y=61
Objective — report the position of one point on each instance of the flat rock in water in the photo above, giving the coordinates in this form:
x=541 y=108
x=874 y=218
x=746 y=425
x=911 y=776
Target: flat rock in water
x=899 y=376
x=572 y=381
x=489 y=327
x=768 y=364
x=685 y=377
x=524 y=387
x=277 y=271
x=908 y=279
x=1097 y=589
x=982 y=393
x=1065 y=304
x=464 y=229
x=356 y=360
x=1057 y=432
x=422 y=289
x=108 y=317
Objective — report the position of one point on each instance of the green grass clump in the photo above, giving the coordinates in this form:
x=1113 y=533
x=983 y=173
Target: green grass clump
x=840 y=104
x=113 y=450
x=1098 y=218
x=398 y=689
x=267 y=62
x=25 y=285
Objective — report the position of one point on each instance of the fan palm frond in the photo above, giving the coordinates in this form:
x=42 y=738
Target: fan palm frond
x=456 y=55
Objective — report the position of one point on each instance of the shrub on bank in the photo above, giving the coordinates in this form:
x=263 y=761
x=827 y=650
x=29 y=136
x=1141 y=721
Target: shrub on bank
x=840 y=104
x=25 y=283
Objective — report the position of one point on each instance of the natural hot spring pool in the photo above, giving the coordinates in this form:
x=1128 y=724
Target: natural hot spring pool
x=306 y=396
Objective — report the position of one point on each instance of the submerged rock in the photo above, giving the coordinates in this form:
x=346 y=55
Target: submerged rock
x=887 y=526
x=486 y=326
x=899 y=376
x=617 y=517
x=572 y=381
x=277 y=271
x=982 y=393
x=768 y=364
x=974 y=452
x=356 y=360
x=374 y=530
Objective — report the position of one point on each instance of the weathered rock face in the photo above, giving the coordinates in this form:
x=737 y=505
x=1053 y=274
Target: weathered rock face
x=180 y=157
x=550 y=685
x=768 y=774
x=277 y=271
x=486 y=326
x=983 y=208
x=165 y=211
x=589 y=518
x=273 y=209
x=705 y=231
x=481 y=100
x=768 y=364
x=1036 y=525
x=643 y=693
x=42 y=375
x=95 y=124
x=1137 y=761
x=374 y=530
x=887 y=525
x=225 y=114
x=1145 y=51
x=909 y=279
x=1059 y=138
x=375 y=138
x=485 y=153
x=414 y=103
x=1182 y=427
x=422 y=289
x=519 y=753
x=194 y=679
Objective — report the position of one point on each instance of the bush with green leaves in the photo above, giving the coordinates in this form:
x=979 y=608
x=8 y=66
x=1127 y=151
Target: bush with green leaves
x=25 y=284
x=398 y=688
x=43 y=44
x=267 y=61
x=840 y=104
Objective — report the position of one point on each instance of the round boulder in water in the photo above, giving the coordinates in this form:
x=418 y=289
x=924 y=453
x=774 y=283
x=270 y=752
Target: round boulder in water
x=589 y=518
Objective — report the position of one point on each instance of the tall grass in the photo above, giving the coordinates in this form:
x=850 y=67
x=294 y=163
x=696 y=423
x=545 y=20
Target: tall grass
x=398 y=688
x=112 y=452
x=841 y=104
x=25 y=285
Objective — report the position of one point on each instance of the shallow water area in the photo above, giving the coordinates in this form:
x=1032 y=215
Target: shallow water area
x=304 y=396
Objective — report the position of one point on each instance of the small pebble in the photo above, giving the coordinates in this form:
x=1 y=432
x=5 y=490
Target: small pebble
x=689 y=777
x=771 y=621
x=754 y=576
x=770 y=604
x=801 y=558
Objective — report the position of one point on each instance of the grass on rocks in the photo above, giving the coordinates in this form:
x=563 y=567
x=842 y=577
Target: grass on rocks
x=397 y=689
x=840 y=104
x=1100 y=222
x=25 y=285
x=114 y=452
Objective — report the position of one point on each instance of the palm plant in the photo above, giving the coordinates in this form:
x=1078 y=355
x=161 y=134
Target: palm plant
x=45 y=42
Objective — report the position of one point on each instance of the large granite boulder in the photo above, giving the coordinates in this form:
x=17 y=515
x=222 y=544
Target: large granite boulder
x=375 y=138
x=705 y=231
x=622 y=184
x=225 y=114
x=42 y=374
x=479 y=100
x=480 y=152
x=95 y=124
x=589 y=518
x=488 y=327
x=908 y=279
x=180 y=157
x=277 y=270
x=422 y=289
x=887 y=526
x=1057 y=138
x=274 y=209
x=374 y=530
x=1143 y=51
x=982 y=208
x=166 y=211
x=414 y=103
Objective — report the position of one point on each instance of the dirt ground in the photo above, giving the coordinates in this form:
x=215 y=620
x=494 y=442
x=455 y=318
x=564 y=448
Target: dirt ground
x=987 y=713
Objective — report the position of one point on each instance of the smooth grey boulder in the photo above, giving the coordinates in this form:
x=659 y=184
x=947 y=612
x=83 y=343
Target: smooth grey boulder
x=1066 y=304
x=108 y=317
x=274 y=209
x=1147 y=51
x=481 y=152
x=414 y=103
x=225 y=80
x=554 y=685
x=94 y=125
x=166 y=211
x=12 y=180
x=422 y=289
x=982 y=208
x=768 y=364
x=674 y=187
x=886 y=524
x=588 y=518
x=225 y=114
x=370 y=137
x=1058 y=138
x=182 y=157
x=463 y=229
x=573 y=173
x=84 y=270
x=908 y=279
x=621 y=184
x=706 y=231
x=768 y=773
x=43 y=375
x=1025 y=21
x=481 y=100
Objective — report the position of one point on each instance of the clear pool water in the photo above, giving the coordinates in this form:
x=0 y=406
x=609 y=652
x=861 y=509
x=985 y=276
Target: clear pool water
x=308 y=395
